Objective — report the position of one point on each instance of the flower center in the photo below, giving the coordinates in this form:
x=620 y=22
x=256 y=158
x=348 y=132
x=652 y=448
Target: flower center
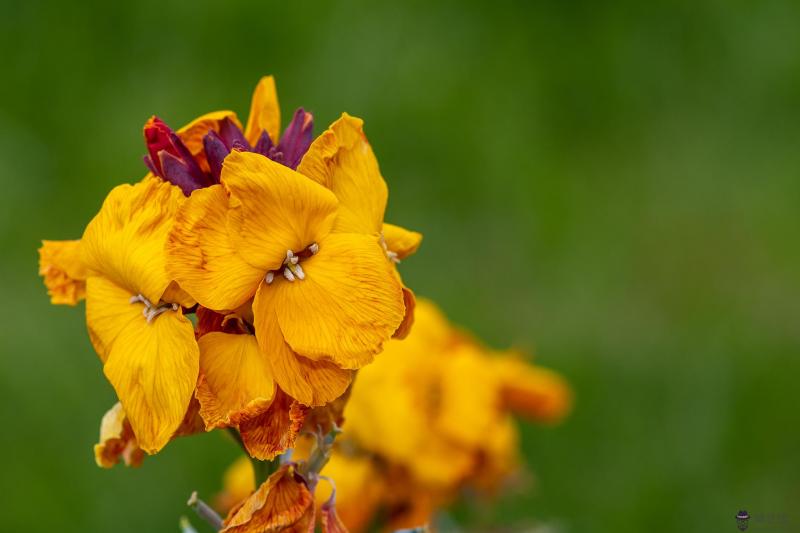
x=151 y=311
x=291 y=269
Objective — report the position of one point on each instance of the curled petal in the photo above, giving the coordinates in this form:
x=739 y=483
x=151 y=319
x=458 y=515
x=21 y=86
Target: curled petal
x=117 y=440
x=282 y=503
x=273 y=431
x=62 y=268
x=410 y=303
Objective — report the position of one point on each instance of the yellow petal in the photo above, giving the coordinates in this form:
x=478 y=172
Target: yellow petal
x=311 y=383
x=348 y=305
x=200 y=255
x=125 y=240
x=153 y=367
x=117 y=440
x=108 y=312
x=61 y=266
x=273 y=431
x=265 y=114
x=192 y=134
x=341 y=159
x=532 y=391
x=400 y=241
x=235 y=379
x=282 y=503
x=273 y=209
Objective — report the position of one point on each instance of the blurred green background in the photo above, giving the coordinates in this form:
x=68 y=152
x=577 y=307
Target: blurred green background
x=614 y=186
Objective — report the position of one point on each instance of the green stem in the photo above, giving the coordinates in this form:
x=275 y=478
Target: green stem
x=264 y=469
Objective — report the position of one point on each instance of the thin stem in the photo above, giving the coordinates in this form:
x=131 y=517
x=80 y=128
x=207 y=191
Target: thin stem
x=204 y=511
x=233 y=432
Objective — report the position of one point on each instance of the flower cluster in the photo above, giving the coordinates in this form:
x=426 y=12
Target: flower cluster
x=431 y=417
x=240 y=283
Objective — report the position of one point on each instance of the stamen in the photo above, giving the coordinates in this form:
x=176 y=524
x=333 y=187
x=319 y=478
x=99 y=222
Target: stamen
x=151 y=311
x=270 y=277
x=314 y=248
x=288 y=274
x=393 y=257
x=298 y=271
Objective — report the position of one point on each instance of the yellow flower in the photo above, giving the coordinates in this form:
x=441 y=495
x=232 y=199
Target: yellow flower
x=325 y=301
x=62 y=268
x=342 y=160
x=133 y=312
x=435 y=414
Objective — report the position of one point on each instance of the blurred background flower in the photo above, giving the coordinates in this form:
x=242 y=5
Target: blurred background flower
x=611 y=186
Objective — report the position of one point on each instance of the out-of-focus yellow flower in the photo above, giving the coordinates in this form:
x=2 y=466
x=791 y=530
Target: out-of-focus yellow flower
x=61 y=266
x=434 y=413
x=133 y=314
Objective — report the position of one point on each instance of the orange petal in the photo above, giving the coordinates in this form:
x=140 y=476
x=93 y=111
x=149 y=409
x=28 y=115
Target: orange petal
x=341 y=159
x=311 y=383
x=265 y=113
x=273 y=431
x=532 y=391
x=62 y=268
x=410 y=303
x=235 y=379
x=117 y=441
x=153 y=367
x=125 y=241
x=282 y=503
x=348 y=305
x=329 y=519
x=400 y=241
x=273 y=209
x=202 y=259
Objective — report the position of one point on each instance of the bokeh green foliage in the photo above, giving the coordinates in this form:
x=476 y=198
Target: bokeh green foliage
x=613 y=186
